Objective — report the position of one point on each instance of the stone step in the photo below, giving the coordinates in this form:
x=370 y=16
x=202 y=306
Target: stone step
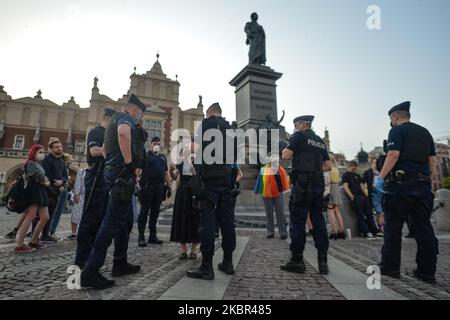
x=254 y=219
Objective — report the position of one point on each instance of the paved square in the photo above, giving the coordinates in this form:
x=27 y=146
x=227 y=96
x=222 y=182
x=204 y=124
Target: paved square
x=43 y=274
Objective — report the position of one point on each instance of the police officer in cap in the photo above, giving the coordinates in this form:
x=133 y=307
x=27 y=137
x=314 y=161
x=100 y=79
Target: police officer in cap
x=94 y=206
x=153 y=183
x=310 y=160
x=216 y=206
x=406 y=180
x=120 y=177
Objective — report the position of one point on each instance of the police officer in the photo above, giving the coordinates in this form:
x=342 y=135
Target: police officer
x=94 y=206
x=154 y=175
x=406 y=179
x=216 y=206
x=120 y=177
x=310 y=160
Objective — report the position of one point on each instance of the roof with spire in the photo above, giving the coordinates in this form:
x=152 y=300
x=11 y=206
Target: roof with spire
x=157 y=69
x=362 y=155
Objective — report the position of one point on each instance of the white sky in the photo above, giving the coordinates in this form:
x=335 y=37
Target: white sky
x=333 y=66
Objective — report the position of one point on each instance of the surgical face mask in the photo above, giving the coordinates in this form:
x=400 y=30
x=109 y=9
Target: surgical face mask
x=40 y=156
x=393 y=124
x=137 y=118
x=156 y=149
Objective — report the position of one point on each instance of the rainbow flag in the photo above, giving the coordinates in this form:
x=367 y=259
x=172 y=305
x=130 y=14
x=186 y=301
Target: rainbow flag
x=266 y=184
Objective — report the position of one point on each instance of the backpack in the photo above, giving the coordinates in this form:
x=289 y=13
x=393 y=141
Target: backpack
x=17 y=196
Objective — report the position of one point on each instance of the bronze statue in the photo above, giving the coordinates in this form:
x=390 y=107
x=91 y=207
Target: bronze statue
x=270 y=124
x=256 y=38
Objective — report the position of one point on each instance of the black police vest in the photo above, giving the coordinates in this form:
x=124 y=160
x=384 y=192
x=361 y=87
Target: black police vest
x=417 y=143
x=95 y=161
x=308 y=159
x=139 y=143
x=112 y=138
x=217 y=170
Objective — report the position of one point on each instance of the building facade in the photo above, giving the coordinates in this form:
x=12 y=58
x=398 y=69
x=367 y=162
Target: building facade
x=28 y=121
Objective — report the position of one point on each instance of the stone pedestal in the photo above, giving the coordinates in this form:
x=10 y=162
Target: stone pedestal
x=256 y=103
x=442 y=202
x=256 y=96
x=348 y=215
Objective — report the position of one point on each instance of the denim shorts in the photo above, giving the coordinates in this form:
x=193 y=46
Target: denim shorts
x=377 y=200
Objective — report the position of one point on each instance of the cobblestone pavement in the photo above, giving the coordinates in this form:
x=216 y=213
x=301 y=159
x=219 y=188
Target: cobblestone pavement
x=360 y=254
x=258 y=275
x=43 y=274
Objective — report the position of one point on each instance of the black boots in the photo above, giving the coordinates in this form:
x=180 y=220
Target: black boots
x=425 y=278
x=95 y=281
x=153 y=239
x=342 y=235
x=125 y=270
x=141 y=241
x=295 y=265
x=205 y=271
x=333 y=236
x=226 y=267
x=337 y=236
x=323 y=263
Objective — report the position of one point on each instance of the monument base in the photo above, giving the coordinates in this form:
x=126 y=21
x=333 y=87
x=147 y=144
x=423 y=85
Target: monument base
x=256 y=98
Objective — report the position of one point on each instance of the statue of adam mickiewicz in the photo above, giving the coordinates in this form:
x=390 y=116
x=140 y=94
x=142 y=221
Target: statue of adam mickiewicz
x=256 y=38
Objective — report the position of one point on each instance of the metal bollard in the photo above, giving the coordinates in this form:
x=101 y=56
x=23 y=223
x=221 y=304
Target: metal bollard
x=442 y=207
x=349 y=234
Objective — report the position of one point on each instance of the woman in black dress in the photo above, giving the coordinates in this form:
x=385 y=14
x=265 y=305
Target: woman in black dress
x=185 y=220
x=36 y=188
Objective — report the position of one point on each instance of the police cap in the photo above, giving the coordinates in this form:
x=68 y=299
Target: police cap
x=135 y=100
x=304 y=119
x=401 y=107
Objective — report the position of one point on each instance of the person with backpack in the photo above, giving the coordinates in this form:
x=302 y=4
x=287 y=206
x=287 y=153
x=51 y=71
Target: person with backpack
x=36 y=188
x=16 y=202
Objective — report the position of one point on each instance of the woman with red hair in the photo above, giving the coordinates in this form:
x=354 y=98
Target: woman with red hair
x=36 y=188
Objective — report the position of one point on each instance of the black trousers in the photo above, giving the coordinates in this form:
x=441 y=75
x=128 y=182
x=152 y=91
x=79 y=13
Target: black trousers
x=116 y=225
x=366 y=222
x=152 y=197
x=413 y=199
x=298 y=217
x=93 y=215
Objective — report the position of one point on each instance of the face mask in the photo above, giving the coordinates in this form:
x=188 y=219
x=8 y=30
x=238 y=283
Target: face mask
x=40 y=156
x=137 y=118
x=156 y=149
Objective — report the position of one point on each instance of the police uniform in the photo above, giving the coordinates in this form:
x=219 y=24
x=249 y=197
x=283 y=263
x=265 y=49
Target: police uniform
x=216 y=207
x=152 y=194
x=408 y=192
x=95 y=201
x=141 y=139
x=308 y=186
x=118 y=220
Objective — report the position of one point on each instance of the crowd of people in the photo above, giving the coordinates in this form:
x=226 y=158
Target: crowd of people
x=46 y=184
x=122 y=172
x=273 y=183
